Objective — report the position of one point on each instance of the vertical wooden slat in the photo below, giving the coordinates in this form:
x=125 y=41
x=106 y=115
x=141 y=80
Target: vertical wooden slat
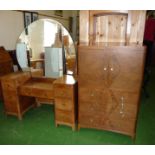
x=135 y=27
x=91 y=27
x=84 y=26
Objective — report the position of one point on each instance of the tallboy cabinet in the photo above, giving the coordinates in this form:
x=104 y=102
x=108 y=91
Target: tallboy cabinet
x=111 y=62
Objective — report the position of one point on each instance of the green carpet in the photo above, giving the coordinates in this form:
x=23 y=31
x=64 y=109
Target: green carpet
x=37 y=127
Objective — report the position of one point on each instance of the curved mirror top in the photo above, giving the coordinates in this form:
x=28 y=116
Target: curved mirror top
x=45 y=47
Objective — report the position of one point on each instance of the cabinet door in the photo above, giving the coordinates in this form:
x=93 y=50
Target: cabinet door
x=126 y=65
x=93 y=107
x=92 y=67
x=121 y=111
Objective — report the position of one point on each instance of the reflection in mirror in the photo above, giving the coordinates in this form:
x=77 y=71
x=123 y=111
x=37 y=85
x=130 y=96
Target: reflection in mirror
x=47 y=50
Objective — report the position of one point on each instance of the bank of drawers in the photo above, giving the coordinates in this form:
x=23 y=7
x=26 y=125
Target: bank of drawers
x=65 y=104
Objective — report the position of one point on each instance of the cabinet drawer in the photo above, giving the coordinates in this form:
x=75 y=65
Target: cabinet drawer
x=10 y=95
x=124 y=126
x=11 y=98
x=21 y=80
x=92 y=120
x=11 y=106
x=64 y=116
x=63 y=91
x=92 y=107
x=103 y=122
x=128 y=112
x=63 y=104
x=91 y=94
x=25 y=91
x=8 y=85
x=42 y=93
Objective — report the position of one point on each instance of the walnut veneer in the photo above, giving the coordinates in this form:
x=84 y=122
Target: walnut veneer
x=15 y=103
x=110 y=69
x=109 y=82
x=39 y=87
x=65 y=90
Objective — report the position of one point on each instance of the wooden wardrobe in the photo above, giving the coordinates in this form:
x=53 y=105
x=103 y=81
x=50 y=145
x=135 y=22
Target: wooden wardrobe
x=111 y=62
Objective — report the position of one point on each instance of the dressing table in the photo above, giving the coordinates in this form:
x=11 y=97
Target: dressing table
x=24 y=90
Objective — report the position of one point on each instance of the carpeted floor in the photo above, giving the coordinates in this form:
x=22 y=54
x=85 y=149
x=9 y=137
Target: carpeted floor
x=37 y=127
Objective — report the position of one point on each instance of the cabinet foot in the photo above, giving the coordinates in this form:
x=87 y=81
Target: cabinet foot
x=20 y=117
x=133 y=137
x=56 y=124
x=78 y=127
x=73 y=128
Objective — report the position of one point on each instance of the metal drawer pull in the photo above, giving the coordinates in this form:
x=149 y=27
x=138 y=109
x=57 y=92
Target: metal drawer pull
x=122 y=106
x=105 y=68
x=111 y=69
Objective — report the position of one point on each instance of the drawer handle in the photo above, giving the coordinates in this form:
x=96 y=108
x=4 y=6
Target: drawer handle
x=112 y=69
x=105 y=68
x=122 y=107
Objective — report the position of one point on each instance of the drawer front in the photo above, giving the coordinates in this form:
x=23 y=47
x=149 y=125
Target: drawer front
x=126 y=126
x=123 y=126
x=8 y=85
x=91 y=120
x=42 y=93
x=91 y=94
x=64 y=116
x=117 y=112
x=115 y=104
x=21 y=80
x=63 y=91
x=123 y=105
x=64 y=104
x=25 y=91
x=10 y=95
x=11 y=106
x=92 y=107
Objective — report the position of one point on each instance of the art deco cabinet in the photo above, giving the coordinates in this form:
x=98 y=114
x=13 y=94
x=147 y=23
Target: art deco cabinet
x=110 y=69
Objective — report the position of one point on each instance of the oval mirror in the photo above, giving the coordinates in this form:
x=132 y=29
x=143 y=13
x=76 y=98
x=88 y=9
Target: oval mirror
x=46 y=48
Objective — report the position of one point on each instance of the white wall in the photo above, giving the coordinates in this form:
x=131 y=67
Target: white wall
x=12 y=24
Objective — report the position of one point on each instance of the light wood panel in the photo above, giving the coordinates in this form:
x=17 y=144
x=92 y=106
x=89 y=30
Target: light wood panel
x=135 y=27
x=84 y=26
x=112 y=26
x=109 y=86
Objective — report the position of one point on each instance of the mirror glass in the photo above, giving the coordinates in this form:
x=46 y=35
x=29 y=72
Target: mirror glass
x=46 y=48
